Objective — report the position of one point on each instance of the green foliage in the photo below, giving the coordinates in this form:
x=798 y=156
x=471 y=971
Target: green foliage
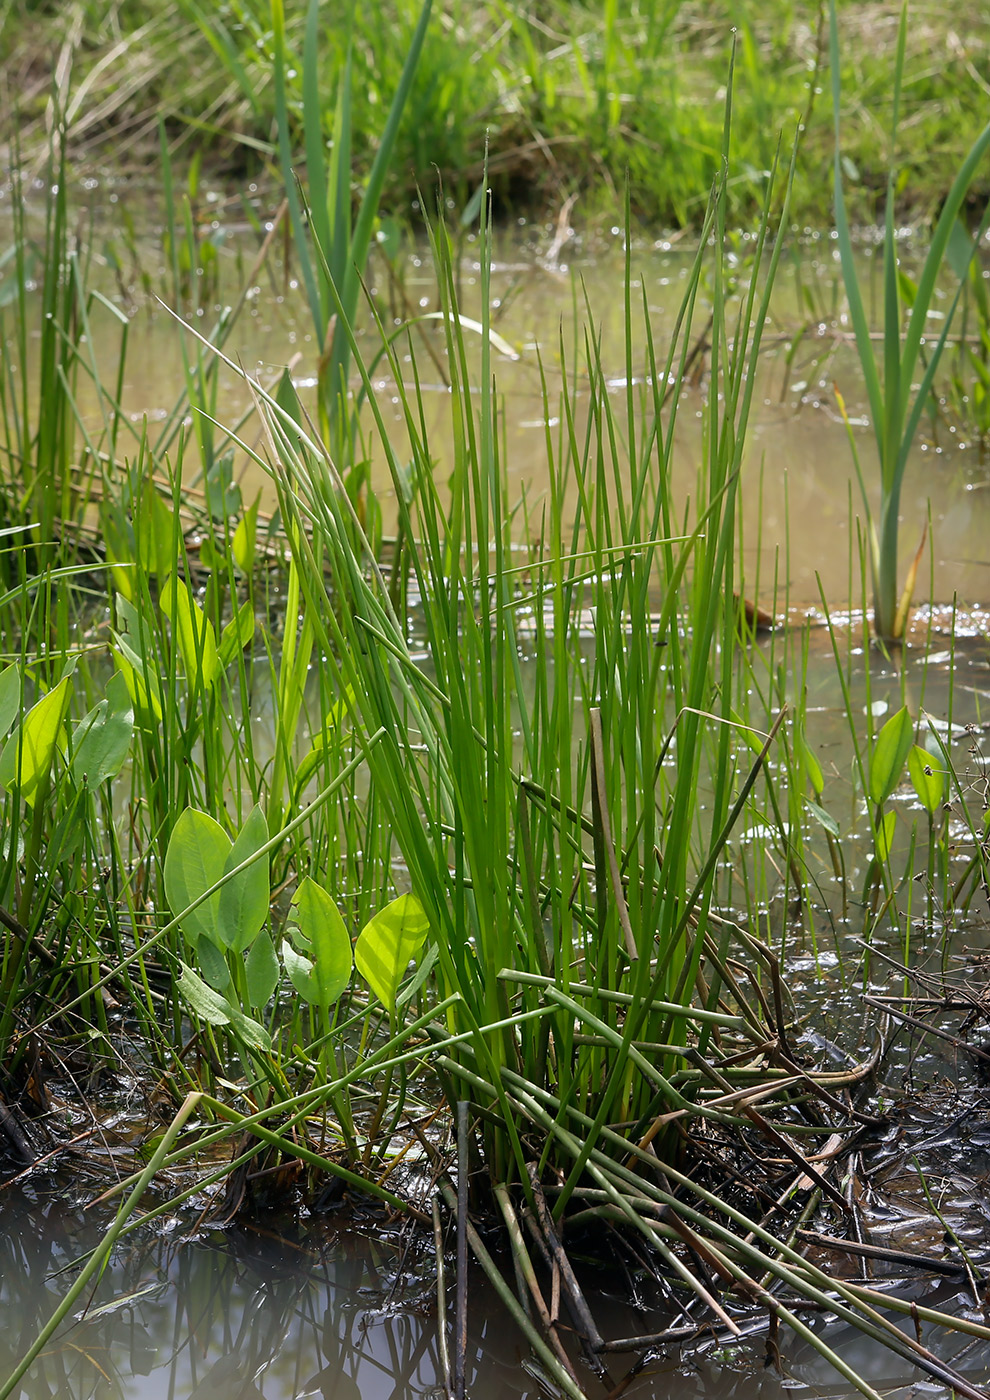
x=26 y=760
x=321 y=977
x=194 y=863
x=101 y=740
x=927 y=778
x=893 y=744
x=388 y=943
x=896 y=403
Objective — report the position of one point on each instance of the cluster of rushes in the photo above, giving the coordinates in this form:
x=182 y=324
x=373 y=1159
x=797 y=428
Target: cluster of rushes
x=533 y=857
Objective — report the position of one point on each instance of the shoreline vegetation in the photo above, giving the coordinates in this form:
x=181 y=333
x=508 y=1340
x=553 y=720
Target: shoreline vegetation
x=561 y=102
x=376 y=870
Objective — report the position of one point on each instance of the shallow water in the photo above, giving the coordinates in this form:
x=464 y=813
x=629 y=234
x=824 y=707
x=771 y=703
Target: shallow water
x=797 y=489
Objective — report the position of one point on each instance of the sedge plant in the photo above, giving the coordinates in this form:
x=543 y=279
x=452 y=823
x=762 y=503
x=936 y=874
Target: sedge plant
x=896 y=404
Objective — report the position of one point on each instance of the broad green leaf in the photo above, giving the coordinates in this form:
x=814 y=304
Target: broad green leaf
x=388 y=943
x=194 y=861
x=216 y=1010
x=244 y=899
x=237 y=634
x=194 y=633
x=301 y=974
x=208 y=1005
x=142 y=682
x=323 y=929
x=823 y=818
x=27 y=755
x=262 y=971
x=10 y=696
x=927 y=778
x=245 y=536
x=213 y=961
x=885 y=835
x=889 y=753
x=100 y=741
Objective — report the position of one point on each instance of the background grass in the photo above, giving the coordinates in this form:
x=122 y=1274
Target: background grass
x=569 y=96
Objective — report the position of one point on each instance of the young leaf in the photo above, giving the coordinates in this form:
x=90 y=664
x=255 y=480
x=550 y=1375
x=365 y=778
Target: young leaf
x=889 y=752
x=389 y=943
x=208 y=1005
x=245 y=536
x=927 y=778
x=142 y=682
x=197 y=850
x=812 y=767
x=823 y=818
x=100 y=741
x=194 y=633
x=216 y=1010
x=28 y=753
x=244 y=899
x=262 y=972
x=885 y=835
x=10 y=696
x=323 y=929
x=237 y=634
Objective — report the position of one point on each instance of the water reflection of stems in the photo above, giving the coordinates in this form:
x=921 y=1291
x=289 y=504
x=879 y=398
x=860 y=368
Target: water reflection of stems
x=97 y=1260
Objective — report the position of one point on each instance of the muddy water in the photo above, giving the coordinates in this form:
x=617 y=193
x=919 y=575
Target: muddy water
x=798 y=490
x=344 y=1307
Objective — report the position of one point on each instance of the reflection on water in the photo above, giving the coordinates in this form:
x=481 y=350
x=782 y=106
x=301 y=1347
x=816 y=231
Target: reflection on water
x=797 y=486
x=238 y=1314
x=347 y=1313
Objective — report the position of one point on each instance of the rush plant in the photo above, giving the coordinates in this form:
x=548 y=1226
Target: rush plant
x=896 y=402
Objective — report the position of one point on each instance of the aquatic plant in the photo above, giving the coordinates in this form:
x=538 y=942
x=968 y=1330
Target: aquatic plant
x=896 y=405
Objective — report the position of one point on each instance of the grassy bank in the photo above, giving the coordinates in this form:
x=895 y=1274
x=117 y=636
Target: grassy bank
x=569 y=97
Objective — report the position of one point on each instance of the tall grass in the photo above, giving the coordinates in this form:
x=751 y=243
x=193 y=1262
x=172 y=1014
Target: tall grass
x=896 y=405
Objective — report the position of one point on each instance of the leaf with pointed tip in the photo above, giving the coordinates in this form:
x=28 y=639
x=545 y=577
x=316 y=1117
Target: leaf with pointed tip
x=27 y=755
x=194 y=861
x=194 y=632
x=101 y=741
x=927 y=778
x=216 y=1010
x=823 y=818
x=244 y=899
x=889 y=753
x=321 y=926
x=237 y=634
x=388 y=943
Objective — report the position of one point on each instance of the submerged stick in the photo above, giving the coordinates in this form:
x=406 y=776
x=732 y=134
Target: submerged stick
x=524 y=1265
x=512 y=1304
x=577 y=1299
x=444 y=1350
x=460 y=1316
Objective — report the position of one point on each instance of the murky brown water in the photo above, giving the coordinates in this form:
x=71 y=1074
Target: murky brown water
x=797 y=488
